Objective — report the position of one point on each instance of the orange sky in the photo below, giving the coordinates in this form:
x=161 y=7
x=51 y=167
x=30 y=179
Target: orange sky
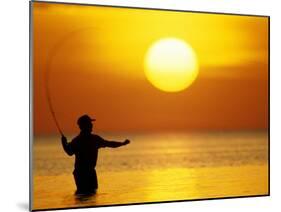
x=97 y=67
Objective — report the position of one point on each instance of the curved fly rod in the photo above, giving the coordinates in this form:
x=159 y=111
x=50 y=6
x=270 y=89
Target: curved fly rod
x=52 y=54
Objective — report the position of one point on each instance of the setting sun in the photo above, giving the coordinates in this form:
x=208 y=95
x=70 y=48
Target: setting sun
x=171 y=65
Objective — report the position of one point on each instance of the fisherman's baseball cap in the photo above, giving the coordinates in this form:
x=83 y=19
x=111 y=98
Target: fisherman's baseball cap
x=85 y=119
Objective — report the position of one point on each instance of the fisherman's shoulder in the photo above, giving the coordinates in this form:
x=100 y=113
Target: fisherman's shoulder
x=76 y=138
x=96 y=137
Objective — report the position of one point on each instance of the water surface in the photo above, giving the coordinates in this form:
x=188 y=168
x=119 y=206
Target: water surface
x=157 y=167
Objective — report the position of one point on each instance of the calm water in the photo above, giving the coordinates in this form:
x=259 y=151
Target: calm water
x=157 y=167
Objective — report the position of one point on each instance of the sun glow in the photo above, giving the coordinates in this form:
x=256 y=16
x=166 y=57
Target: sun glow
x=171 y=65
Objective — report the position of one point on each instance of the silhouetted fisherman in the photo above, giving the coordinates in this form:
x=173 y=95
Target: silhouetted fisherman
x=85 y=147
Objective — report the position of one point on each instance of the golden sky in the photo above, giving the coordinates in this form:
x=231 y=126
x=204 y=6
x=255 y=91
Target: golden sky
x=97 y=67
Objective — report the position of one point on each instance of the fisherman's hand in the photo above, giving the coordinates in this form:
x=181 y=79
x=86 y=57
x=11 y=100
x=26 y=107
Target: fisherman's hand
x=126 y=142
x=63 y=139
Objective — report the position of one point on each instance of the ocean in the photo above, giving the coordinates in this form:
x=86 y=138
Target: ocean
x=156 y=167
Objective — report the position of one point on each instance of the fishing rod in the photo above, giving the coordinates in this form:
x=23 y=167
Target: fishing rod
x=49 y=100
x=47 y=88
x=52 y=54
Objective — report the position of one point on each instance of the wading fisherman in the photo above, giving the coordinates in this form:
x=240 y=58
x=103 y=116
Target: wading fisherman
x=85 y=147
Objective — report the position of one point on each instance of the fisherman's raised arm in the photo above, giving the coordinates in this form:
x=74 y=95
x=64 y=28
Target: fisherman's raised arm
x=66 y=146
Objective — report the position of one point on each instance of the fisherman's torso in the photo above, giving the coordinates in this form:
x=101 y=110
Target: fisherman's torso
x=86 y=152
